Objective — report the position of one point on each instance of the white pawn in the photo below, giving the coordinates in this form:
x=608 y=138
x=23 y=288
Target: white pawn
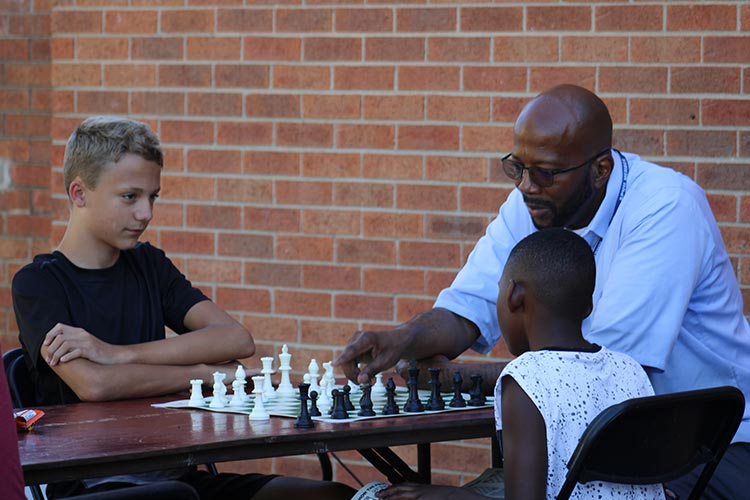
x=285 y=386
x=196 y=393
x=259 y=410
x=220 y=390
x=324 y=397
x=238 y=394
x=241 y=375
x=314 y=371
x=379 y=388
x=267 y=370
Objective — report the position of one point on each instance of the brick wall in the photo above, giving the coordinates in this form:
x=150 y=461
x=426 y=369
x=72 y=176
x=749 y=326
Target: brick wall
x=328 y=162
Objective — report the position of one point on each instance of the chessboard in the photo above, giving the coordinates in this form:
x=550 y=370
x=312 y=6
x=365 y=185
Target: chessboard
x=289 y=406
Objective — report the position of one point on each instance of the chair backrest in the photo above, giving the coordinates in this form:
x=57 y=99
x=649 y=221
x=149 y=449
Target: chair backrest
x=19 y=379
x=655 y=439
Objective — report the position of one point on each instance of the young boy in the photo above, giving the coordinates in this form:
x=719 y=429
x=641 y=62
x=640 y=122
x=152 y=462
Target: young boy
x=545 y=398
x=92 y=314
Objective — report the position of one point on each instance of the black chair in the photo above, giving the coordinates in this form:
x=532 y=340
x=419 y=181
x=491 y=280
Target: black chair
x=163 y=490
x=655 y=439
x=19 y=379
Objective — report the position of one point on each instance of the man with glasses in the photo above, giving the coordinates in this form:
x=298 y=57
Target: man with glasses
x=666 y=292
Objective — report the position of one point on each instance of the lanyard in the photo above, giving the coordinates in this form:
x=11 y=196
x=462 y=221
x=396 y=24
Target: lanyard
x=623 y=187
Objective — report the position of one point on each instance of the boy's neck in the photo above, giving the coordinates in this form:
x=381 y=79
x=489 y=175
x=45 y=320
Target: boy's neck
x=557 y=334
x=85 y=251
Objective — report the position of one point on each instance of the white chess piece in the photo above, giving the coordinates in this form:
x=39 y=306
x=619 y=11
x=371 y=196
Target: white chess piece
x=379 y=388
x=267 y=370
x=354 y=387
x=285 y=386
x=196 y=393
x=238 y=394
x=219 y=400
x=324 y=397
x=314 y=371
x=241 y=375
x=259 y=412
x=329 y=375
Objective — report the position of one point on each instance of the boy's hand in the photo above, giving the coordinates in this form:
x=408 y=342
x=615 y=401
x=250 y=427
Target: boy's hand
x=65 y=343
x=413 y=491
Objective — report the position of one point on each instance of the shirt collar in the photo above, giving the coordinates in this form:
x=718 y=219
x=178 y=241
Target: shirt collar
x=603 y=216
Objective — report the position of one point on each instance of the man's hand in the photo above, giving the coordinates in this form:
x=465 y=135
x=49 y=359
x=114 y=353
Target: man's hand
x=375 y=351
x=65 y=343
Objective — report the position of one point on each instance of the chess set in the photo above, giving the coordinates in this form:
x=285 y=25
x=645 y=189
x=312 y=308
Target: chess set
x=327 y=402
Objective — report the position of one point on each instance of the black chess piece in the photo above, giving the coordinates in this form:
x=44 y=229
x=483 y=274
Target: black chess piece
x=314 y=411
x=304 y=421
x=390 y=408
x=458 y=400
x=365 y=402
x=475 y=393
x=339 y=409
x=413 y=404
x=436 y=399
x=347 y=398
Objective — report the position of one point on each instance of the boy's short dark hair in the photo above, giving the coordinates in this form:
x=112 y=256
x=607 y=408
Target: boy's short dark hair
x=558 y=267
x=101 y=140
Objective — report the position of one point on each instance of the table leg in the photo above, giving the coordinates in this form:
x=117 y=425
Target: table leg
x=424 y=463
x=387 y=462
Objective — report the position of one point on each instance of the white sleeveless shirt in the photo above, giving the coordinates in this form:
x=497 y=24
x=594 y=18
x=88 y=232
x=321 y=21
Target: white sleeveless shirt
x=570 y=388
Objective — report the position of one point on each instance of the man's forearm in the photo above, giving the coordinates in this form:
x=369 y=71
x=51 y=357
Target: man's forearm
x=438 y=331
x=488 y=371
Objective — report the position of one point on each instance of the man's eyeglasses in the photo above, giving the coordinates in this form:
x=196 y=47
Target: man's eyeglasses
x=542 y=177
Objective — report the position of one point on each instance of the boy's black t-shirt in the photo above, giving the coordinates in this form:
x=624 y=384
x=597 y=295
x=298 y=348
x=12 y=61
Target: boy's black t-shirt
x=128 y=303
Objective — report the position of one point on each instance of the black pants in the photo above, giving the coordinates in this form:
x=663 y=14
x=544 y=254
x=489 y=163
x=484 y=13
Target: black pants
x=731 y=480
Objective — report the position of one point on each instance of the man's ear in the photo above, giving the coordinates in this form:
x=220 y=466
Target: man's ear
x=602 y=170
x=516 y=296
x=77 y=192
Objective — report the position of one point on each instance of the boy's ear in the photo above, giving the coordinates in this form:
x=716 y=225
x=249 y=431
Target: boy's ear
x=77 y=192
x=516 y=296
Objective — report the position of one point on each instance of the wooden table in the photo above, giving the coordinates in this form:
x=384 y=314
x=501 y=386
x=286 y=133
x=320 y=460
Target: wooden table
x=102 y=439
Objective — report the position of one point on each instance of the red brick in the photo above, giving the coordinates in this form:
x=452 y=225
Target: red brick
x=30 y=175
x=701 y=17
x=325 y=332
x=332 y=49
x=214 y=48
x=244 y=133
x=595 y=48
x=363 y=77
x=272 y=219
x=728 y=176
x=102 y=48
x=429 y=254
x=136 y=21
x=664 y=111
x=429 y=137
x=363 y=195
x=214 y=271
x=40 y=50
x=304 y=192
x=271 y=162
x=272 y=274
x=734 y=112
x=171 y=103
x=245 y=190
x=42 y=99
x=168 y=214
x=15 y=6
x=494 y=79
x=526 y=49
x=736 y=239
x=31 y=225
x=182 y=241
x=306 y=248
x=190 y=132
x=330 y=222
x=245 y=245
x=241 y=75
x=244 y=20
x=308 y=135
x=408 y=307
x=99 y=102
x=543 y=78
x=705 y=79
x=629 y=18
x=365 y=136
x=701 y=143
x=397 y=281
x=60 y=48
x=186 y=21
x=458 y=108
x=301 y=21
x=363 y=306
x=76 y=75
x=179 y=187
x=426 y=197
x=76 y=21
x=302 y=303
x=391 y=225
x=16 y=49
x=17 y=74
x=665 y=50
x=429 y=20
x=331 y=277
x=459 y=49
x=456 y=169
x=429 y=78
x=726 y=49
x=633 y=79
x=301 y=77
x=130 y=75
x=272 y=48
x=214 y=104
x=214 y=216
x=14 y=99
x=273 y=105
x=331 y=106
x=482 y=199
x=354 y=20
x=394 y=49
x=330 y=165
x=392 y=166
x=243 y=299
x=185 y=75
x=400 y=107
x=552 y=18
x=366 y=251
x=745 y=17
x=455 y=227
x=492 y=19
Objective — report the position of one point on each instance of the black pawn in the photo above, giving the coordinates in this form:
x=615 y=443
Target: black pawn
x=314 y=411
x=304 y=421
x=458 y=400
x=477 y=398
x=365 y=402
x=339 y=410
x=413 y=404
x=347 y=399
x=390 y=408
x=436 y=399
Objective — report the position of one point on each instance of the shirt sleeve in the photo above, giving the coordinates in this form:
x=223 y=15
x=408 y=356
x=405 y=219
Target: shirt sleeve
x=473 y=293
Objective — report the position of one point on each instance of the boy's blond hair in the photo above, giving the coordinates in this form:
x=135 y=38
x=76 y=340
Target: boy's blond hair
x=101 y=140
